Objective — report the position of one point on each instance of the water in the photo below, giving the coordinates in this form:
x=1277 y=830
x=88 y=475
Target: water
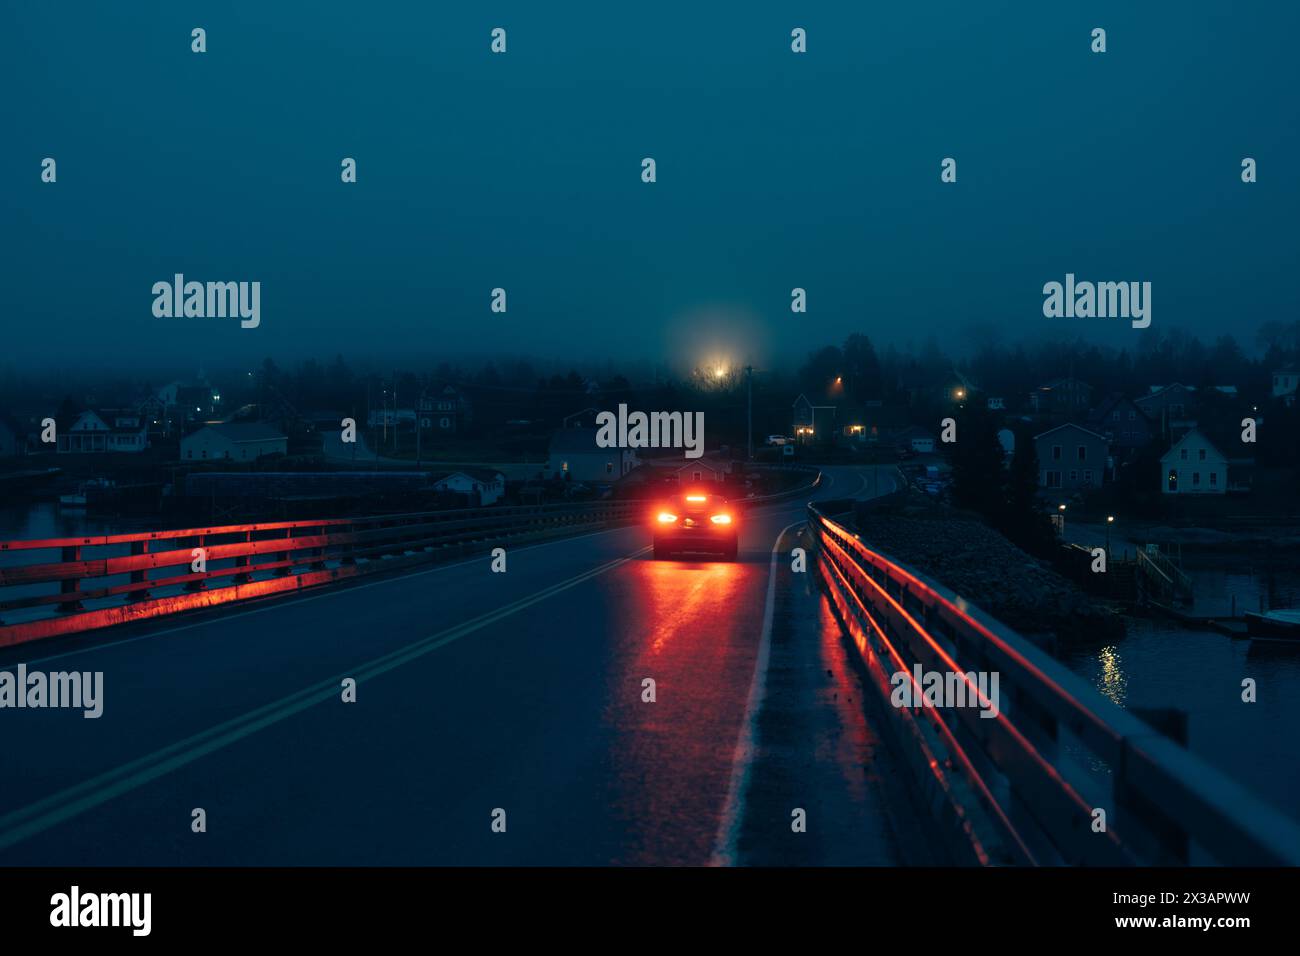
x=46 y=519
x=1162 y=664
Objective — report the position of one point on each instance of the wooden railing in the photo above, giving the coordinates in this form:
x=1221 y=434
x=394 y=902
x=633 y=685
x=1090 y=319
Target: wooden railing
x=59 y=586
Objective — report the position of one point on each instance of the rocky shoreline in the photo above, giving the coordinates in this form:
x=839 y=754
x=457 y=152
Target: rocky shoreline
x=977 y=562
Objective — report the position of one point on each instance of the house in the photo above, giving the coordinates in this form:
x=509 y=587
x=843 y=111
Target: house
x=181 y=402
x=154 y=411
x=1285 y=381
x=1071 y=457
x=574 y=456
x=12 y=440
x=104 y=431
x=706 y=470
x=1124 y=424
x=1062 y=396
x=1194 y=466
x=446 y=412
x=481 y=486
x=233 y=442
x=809 y=420
x=1169 y=406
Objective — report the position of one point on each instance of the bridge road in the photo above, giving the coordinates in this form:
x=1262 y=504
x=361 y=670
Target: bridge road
x=476 y=691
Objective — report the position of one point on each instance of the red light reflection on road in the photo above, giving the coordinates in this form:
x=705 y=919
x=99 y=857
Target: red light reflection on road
x=693 y=627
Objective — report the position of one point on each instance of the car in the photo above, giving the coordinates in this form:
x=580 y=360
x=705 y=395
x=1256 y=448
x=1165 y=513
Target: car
x=777 y=440
x=696 y=521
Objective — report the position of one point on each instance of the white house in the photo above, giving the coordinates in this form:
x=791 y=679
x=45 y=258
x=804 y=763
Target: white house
x=483 y=486
x=575 y=456
x=104 y=432
x=233 y=442
x=1193 y=466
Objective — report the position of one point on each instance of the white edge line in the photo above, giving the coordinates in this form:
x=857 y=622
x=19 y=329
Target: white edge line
x=733 y=811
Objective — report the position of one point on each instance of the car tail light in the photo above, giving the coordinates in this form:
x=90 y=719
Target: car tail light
x=667 y=517
x=721 y=519
x=697 y=498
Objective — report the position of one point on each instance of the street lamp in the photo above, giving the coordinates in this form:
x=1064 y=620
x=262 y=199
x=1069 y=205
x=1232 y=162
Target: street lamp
x=1110 y=520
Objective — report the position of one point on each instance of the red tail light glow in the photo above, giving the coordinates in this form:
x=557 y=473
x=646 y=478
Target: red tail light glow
x=667 y=517
x=697 y=498
x=721 y=519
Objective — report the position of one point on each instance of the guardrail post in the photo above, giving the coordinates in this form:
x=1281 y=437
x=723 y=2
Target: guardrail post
x=244 y=561
x=348 y=557
x=140 y=576
x=318 y=554
x=284 y=556
x=70 y=585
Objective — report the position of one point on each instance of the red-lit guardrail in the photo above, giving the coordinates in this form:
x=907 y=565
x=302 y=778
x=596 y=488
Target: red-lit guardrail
x=59 y=586
x=55 y=586
x=1023 y=787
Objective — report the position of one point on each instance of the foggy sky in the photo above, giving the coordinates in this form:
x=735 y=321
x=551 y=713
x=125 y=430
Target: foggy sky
x=522 y=170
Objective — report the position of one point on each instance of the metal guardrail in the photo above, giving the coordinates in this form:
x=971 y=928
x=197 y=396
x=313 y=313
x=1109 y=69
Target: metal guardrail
x=1023 y=787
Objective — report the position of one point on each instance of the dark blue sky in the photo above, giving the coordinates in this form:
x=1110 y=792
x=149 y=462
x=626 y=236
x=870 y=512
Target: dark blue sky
x=523 y=171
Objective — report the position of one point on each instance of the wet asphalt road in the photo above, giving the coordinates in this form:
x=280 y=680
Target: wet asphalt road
x=480 y=696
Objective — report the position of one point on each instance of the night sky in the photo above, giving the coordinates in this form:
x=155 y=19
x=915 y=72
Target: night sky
x=522 y=170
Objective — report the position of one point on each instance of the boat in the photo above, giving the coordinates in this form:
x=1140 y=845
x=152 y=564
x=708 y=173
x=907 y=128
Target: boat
x=95 y=487
x=1274 y=626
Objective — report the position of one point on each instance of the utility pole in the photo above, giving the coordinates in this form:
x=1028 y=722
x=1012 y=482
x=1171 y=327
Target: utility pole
x=749 y=408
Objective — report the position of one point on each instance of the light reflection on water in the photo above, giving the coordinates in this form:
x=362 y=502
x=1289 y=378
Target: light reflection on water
x=1111 y=681
x=1159 y=664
